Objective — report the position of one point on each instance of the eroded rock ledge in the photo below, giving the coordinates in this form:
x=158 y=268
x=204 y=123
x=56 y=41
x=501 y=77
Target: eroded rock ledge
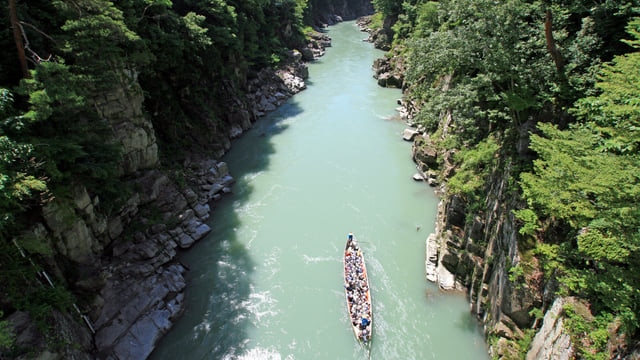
x=144 y=289
x=125 y=261
x=474 y=252
x=144 y=285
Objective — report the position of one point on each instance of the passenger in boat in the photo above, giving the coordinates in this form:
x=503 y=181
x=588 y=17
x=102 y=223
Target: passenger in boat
x=350 y=236
x=364 y=322
x=365 y=335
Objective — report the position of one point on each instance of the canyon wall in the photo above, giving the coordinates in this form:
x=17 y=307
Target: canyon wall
x=120 y=262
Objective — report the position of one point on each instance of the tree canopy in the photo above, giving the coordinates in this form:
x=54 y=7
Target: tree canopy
x=566 y=71
x=589 y=177
x=63 y=56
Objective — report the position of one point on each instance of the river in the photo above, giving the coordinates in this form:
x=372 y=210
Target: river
x=267 y=282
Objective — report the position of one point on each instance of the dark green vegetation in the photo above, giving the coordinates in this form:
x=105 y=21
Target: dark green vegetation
x=567 y=71
x=68 y=52
x=191 y=58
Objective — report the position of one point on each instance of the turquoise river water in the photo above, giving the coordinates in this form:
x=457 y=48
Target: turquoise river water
x=267 y=282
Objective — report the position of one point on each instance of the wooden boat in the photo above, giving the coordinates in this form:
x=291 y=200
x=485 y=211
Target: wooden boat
x=357 y=292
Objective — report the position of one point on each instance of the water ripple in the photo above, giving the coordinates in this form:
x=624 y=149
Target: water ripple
x=258 y=354
x=316 y=259
x=261 y=304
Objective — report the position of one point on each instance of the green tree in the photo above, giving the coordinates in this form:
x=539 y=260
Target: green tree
x=388 y=7
x=19 y=179
x=588 y=177
x=473 y=166
x=65 y=130
x=488 y=59
x=6 y=334
x=615 y=113
x=96 y=39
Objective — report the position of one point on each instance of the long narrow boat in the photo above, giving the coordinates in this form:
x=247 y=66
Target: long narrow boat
x=357 y=292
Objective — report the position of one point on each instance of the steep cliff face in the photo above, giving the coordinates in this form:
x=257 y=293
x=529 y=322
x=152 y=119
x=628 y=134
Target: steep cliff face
x=482 y=253
x=123 y=260
x=330 y=12
x=79 y=229
x=121 y=263
x=552 y=341
x=123 y=109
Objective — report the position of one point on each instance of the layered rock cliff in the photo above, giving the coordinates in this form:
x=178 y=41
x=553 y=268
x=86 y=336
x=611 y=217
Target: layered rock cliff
x=480 y=251
x=330 y=12
x=121 y=263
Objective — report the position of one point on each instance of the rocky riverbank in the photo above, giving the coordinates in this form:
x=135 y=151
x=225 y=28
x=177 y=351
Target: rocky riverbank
x=475 y=256
x=474 y=251
x=145 y=285
x=125 y=262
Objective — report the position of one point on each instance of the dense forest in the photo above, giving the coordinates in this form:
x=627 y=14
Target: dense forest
x=189 y=59
x=545 y=90
x=565 y=72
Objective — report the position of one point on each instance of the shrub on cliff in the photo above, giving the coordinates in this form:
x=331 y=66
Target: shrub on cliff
x=587 y=177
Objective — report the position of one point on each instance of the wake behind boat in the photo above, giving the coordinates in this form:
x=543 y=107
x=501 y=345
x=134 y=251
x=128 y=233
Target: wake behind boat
x=358 y=294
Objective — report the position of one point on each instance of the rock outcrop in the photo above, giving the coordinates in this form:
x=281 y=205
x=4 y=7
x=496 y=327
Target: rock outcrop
x=380 y=38
x=478 y=256
x=552 y=341
x=124 y=259
x=331 y=12
x=122 y=109
x=142 y=291
x=479 y=252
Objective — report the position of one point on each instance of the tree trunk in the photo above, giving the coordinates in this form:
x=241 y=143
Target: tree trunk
x=17 y=37
x=551 y=42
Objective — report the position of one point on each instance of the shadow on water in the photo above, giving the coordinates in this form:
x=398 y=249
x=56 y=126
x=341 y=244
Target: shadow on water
x=219 y=287
x=467 y=323
x=250 y=297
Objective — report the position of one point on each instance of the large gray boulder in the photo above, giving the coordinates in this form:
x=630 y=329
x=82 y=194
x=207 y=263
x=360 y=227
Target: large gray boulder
x=552 y=340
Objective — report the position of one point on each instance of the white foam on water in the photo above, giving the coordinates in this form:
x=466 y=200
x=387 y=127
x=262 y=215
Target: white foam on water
x=252 y=176
x=317 y=259
x=271 y=263
x=249 y=210
x=261 y=304
x=258 y=354
x=203 y=328
x=354 y=207
x=253 y=235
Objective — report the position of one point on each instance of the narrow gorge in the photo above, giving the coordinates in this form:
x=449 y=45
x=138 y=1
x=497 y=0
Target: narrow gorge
x=521 y=116
x=122 y=261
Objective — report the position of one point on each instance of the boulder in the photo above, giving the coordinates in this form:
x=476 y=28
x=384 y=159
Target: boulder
x=431 y=256
x=307 y=54
x=183 y=239
x=446 y=280
x=425 y=152
x=409 y=134
x=390 y=80
x=202 y=211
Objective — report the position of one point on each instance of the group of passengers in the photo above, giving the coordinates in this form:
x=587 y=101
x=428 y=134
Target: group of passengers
x=357 y=290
